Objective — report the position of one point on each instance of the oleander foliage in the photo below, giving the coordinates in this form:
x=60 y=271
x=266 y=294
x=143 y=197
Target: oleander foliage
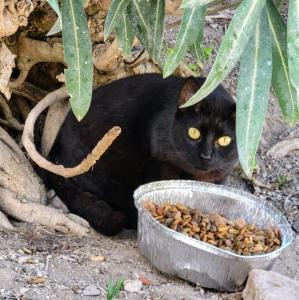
x=258 y=38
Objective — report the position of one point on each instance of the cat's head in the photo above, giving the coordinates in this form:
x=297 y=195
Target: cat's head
x=204 y=134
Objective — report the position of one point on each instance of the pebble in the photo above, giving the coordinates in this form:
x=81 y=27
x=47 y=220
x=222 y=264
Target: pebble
x=133 y=286
x=23 y=290
x=270 y=285
x=22 y=259
x=288 y=166
x=91 y=290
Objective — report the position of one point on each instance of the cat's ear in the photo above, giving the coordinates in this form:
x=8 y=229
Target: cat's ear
x=189 y=88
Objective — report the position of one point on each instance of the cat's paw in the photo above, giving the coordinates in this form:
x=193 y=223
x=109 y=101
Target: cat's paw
x=111 y=225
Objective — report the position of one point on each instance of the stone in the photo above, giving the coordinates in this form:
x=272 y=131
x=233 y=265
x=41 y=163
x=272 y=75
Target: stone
x=269 y=285
x=133 y=286
x=91 y=290
x=23 y=290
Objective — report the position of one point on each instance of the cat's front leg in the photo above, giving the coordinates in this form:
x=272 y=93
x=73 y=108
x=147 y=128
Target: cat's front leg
x=96 y=211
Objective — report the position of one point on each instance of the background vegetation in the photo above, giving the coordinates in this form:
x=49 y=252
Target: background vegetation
x=257 y=37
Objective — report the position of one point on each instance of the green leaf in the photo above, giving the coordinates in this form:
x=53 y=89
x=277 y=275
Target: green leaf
x=139 y=12
x=293 y=44
x=114 y=287
x=195 y=3
x=124 y=34
x=196 y=48
x=156 y=27
x=281 y=82
x=232 y=46
x=55 y=7
x=147 y=19
x=253 y=92
x=78 y=56
x=187 y=35
x=115 y=12
x=57 y=26
x=278 y=3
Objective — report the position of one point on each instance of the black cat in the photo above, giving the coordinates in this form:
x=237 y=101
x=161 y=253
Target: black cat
x=158 y=141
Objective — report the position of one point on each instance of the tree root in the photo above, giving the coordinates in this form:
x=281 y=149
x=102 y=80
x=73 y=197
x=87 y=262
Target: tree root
x=22 y=195
x=22 y=106
x=55 y=118
x=283 y=148
x=39 y=214
x=9 y=120
x=29 y=91
x=4 y=223
x=86 y=164
x=43 y=52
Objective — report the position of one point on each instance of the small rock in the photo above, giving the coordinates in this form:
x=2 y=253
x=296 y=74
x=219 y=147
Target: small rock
x=289 y=166
x=270 y=285
x=133 y=286
x=144 y=280
x=202 y=291
x=257 y=190
x=26 y=250
x=22 y=260
x=97 y=258
x=91 y=290
x=23 y=290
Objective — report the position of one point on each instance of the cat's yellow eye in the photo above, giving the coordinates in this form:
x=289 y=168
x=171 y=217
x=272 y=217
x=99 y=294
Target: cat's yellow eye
x=194 y=133
x=224 y=141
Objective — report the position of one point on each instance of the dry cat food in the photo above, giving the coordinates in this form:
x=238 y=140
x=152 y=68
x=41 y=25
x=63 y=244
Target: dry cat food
x=235 y=236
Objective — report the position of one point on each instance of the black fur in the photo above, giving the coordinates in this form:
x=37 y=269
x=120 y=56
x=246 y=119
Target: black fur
x=153 y=145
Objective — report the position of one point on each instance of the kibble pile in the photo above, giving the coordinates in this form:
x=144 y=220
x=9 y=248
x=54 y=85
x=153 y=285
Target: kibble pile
x=235 y=236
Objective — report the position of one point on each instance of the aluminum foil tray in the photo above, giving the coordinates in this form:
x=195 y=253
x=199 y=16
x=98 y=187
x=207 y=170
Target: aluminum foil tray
x=182 y=256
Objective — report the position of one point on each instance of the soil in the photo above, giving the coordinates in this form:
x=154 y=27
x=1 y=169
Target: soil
x=36 y=263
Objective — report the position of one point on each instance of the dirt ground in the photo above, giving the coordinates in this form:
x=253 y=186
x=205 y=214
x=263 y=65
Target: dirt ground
x=36 y=263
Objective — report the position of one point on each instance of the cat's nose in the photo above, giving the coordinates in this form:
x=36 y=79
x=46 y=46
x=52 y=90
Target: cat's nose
x=206 y=156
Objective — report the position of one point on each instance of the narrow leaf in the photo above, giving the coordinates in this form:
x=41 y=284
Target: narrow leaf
x=55 y=7
x=195 y=3
x=196 y=48
x=156 y=24
x=278 y=3
x=187 y=35
x=139 y=13
x=78 y=56
x=124 y=34
x=293 y=44
x=281 y=82
x=115 y=12
x=253 y=92
x=57 y=25
x=232 y=46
